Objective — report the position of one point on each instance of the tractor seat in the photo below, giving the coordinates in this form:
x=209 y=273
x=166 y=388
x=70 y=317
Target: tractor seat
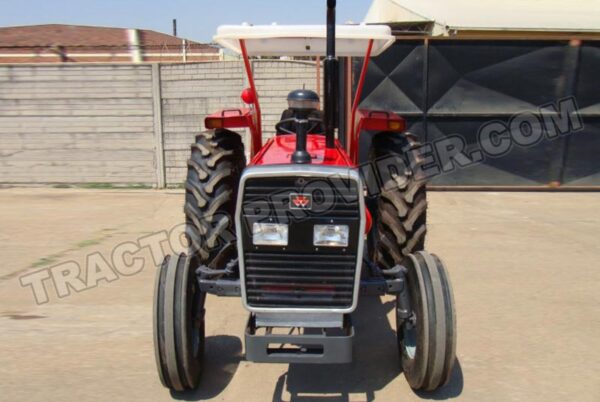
x=315 y=128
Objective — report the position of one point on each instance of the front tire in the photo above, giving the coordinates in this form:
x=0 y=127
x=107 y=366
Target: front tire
x=427 y=340
x=179 y=338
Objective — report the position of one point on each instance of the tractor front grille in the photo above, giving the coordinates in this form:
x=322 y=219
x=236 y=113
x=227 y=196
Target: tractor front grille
x=299 y=275
x=299 y=280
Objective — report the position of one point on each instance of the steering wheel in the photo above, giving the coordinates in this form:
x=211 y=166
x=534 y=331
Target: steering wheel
x=315 y=122
x=278 y=127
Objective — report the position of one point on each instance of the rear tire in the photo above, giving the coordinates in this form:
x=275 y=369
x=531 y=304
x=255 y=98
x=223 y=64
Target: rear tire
x=179 y=337
x=402 y=202
x=214 y=170
x=427 y=342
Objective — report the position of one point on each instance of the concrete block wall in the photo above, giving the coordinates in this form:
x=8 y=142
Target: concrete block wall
x=121 y=123
x=189 y=92
x=274 y=80
x=74 y=124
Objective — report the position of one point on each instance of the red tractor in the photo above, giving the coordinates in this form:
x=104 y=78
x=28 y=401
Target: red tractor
x=291 y=232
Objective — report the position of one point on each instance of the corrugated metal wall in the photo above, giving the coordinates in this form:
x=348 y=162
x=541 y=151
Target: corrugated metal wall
x=455 y=87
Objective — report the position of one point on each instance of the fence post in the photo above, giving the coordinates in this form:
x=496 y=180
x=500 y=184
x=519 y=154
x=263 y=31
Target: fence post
x=571 y=69
x=158 y=129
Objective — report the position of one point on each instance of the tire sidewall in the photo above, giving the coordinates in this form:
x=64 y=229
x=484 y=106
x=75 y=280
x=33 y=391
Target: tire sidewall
x=415 y=369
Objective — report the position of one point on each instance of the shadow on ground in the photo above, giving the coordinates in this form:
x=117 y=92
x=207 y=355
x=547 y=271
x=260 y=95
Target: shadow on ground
x=375 y=365
x=223 y=355
x=450 y=390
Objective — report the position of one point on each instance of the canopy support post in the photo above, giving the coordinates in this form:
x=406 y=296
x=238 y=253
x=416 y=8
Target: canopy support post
x=353 y=148
x=257 y=134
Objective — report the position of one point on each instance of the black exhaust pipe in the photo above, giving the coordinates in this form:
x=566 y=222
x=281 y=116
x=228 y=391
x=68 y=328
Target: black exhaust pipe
x=331 y=79
x=331 y=95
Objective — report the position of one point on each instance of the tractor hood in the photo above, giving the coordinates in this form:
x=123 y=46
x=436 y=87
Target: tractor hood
x=278 y=151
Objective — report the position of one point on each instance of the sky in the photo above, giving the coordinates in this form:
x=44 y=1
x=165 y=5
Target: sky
x=196 y=19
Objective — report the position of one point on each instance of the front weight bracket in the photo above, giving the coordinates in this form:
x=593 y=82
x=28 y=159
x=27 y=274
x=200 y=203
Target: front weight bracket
x=211 y=281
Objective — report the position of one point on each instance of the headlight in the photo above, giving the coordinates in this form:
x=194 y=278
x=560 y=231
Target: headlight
x=331 y=235
x=269 y=234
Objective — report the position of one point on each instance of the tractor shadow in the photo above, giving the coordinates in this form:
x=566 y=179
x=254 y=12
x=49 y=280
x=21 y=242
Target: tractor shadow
x=375 y=365
x=451 y=390
x=223 y=354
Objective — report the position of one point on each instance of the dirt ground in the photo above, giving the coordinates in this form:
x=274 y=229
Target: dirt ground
x=524 y=268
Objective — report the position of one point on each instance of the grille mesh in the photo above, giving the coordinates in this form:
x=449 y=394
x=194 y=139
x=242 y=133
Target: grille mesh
x=275 y=280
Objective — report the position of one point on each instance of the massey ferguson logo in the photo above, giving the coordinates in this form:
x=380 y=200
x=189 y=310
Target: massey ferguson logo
x=300 y=201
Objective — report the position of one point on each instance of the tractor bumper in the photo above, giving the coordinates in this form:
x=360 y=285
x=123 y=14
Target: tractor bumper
x=299 y=345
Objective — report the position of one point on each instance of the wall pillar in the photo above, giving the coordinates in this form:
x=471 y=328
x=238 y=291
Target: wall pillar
x=158 y=128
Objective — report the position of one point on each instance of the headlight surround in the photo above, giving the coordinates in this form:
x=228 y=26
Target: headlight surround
x=269 y=234
x=331 y=235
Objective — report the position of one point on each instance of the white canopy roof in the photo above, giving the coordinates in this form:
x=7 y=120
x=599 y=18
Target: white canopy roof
x=303 y=40
x=505 y=15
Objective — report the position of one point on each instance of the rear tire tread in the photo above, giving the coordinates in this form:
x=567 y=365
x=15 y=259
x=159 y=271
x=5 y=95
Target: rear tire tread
x=402 y=205
x=215 y=165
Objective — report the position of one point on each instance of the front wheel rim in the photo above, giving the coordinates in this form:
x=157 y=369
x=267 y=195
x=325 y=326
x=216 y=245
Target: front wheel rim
x=408 y=332
x=196 y=320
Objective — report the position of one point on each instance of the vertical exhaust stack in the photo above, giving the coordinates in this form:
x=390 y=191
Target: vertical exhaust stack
x=331 y=78
x=331 y=95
